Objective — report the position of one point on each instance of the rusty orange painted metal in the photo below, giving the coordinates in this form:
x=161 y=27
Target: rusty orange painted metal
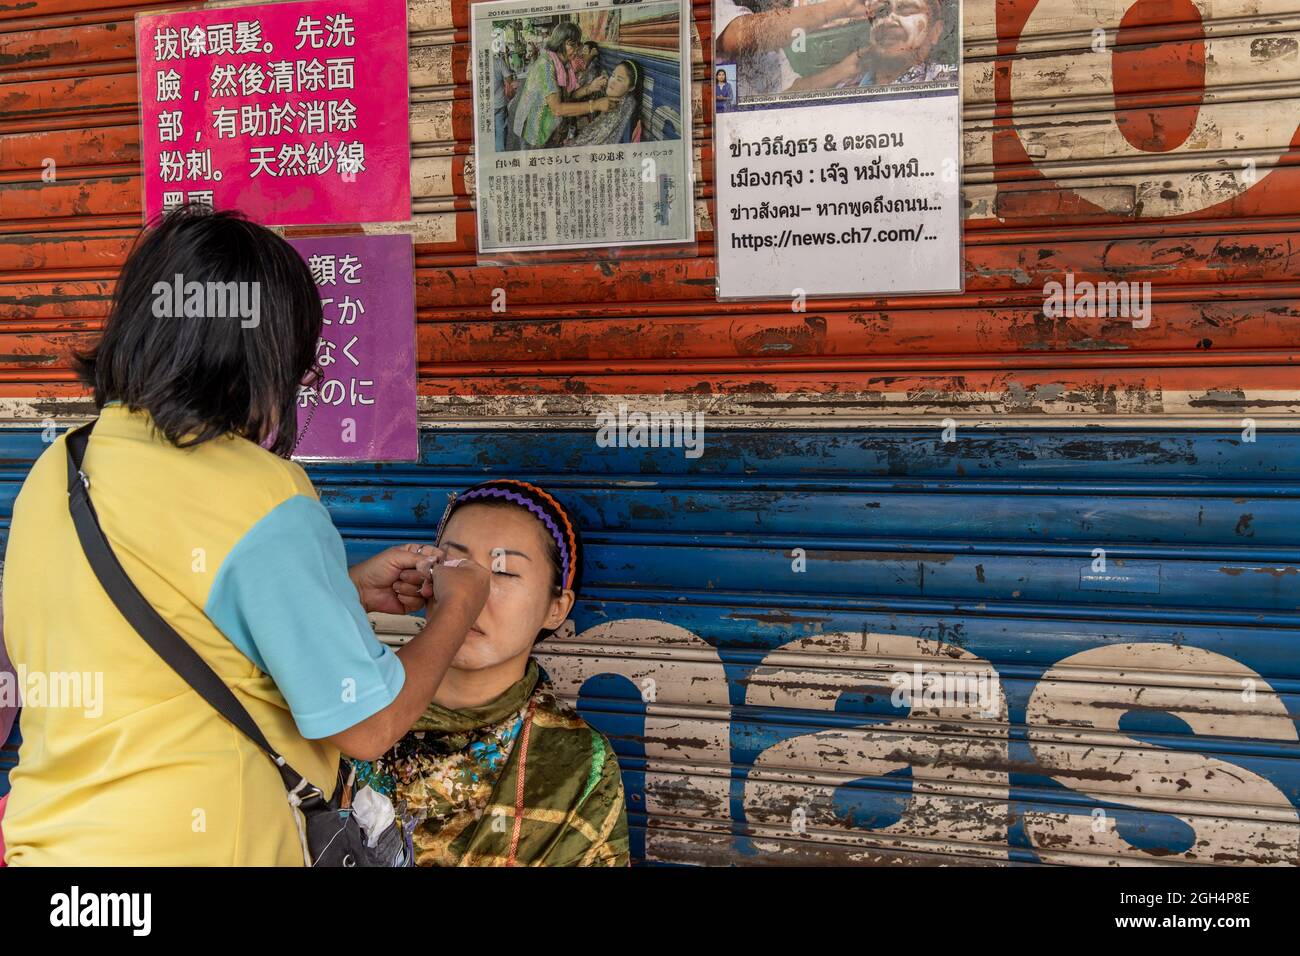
x=1221 y=272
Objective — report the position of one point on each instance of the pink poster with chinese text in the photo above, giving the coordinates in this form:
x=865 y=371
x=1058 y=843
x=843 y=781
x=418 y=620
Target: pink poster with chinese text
x=293 y=113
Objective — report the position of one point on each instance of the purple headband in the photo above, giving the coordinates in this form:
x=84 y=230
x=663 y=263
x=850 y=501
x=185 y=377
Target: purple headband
x=526 y=502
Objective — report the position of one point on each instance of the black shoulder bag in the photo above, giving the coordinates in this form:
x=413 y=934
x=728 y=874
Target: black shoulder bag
x=330 y=833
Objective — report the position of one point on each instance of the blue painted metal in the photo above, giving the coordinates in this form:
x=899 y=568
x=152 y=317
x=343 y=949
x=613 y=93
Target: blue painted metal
x=983 y=545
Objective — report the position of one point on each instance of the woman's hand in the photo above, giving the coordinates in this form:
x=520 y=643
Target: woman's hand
x=395 y=581
x=586 y=90
x=601 y=105
x=460 y=583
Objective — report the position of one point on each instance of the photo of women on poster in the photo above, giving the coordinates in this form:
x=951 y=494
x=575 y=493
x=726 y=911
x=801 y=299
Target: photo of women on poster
x=587 y=107
x=788 y=50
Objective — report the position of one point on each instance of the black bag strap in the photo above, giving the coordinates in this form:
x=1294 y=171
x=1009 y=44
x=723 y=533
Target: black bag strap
x=141 y=615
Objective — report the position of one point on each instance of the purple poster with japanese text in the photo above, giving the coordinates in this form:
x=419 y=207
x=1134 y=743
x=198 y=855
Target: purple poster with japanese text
x=293 y=113
x=363 y=407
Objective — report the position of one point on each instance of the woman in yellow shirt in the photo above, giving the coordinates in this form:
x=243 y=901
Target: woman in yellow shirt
x=228 y=541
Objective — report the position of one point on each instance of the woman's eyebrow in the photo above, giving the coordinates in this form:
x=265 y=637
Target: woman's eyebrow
x=461 y=547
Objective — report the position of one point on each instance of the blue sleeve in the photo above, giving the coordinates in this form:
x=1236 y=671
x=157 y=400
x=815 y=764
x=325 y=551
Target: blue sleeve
x=284 y=598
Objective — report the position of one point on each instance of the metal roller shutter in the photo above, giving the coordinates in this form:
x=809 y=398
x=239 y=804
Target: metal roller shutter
x=1150 y=711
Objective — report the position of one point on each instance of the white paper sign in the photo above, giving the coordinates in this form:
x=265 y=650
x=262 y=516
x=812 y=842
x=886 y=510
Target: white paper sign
x=838 y=154
x=582 y=124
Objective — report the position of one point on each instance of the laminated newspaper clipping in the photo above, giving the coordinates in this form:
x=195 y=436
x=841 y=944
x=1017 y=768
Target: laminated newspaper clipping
x=837 y=137
x=582 y=124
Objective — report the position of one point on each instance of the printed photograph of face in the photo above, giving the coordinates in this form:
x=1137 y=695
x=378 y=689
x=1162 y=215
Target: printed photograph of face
x=839 y=44
x=586 y=78
x=905 y=30
x=525 y=597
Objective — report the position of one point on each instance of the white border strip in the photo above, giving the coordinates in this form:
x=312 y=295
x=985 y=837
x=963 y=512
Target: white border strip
x=841 y=411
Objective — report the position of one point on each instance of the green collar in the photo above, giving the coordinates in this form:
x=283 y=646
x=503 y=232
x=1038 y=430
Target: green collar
x=442 y=720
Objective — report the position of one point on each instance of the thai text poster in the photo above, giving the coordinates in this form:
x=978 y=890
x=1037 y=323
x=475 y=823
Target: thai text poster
x=837 y=144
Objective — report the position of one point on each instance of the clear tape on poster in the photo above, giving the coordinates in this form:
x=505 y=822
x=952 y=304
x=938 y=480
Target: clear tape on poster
x=582 y=131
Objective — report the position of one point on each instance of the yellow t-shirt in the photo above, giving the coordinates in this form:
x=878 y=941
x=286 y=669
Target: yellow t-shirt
x=233 y=548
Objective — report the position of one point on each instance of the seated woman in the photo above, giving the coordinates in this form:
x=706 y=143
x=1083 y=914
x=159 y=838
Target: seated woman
x=622 y=109
x=500 y=771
